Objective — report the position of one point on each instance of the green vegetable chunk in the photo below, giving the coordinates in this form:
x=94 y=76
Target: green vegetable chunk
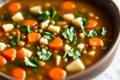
x=44 y=54
x=26 y=29
x=14 y=41
x=32 y=62
x=47 y=35
x=70 y=34
x=75 y=54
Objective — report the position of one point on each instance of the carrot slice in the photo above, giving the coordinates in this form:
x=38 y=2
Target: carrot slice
x=10 y=54
x=14 y=7
x=57 y=73
x=20 y=54
x=57 y=43
x=19 y=73
x=30 y=22
x=96 y=42
x=3 y=61
x=1 y=32
x=68 y=5
x=91 y=24
x=33 y=37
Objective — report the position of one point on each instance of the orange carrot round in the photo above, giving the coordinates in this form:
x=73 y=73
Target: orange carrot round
x=57 y=43
x=91 y=24
x=96 y=42
x=68 y=5
x=20 y=54
x=57 y=73
x=3 y=61
x=10 y=54
x=33 y=37
x=19 y=73
x=30 y=22
x=14 y=7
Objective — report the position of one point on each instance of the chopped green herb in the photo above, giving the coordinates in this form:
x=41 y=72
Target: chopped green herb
x=57 y=18
x=27 y=14
x=85 y=21
x=36 y=70
x=16 y=25
x=92 y=33
x=104 y=48
x=75 y=54
x=82 y=23
x=103 y=32
x=6 y=16
x=70 y=34
x=53 y=12
x=17 y=62
x=14 y=41
x=44 y=54
x=32 y=62
x=46 y=15
x=47 y=35
x=26 y=29
x=79 y=14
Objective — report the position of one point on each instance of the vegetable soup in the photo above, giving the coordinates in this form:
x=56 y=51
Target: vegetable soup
x=51 y=39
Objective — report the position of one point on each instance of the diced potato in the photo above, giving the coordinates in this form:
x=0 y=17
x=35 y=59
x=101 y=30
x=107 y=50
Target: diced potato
x=67 y=47
x=92 y=53
x=18 y=17
x=35 y=9
x=43 y=41
x=7 y=27
x=58 y=60
x=82 y=35
x=27 y=52
x=44 y=24
x=68 y=17
x=61 y=23
x=54 y=29
x=2 y=46
x=77 y=21
x=76 y=65
x=81 y=46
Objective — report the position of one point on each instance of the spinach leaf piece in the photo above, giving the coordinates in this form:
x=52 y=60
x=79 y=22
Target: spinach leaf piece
x=47 y=35
x=57 y=18
x=44 y=54
x=32 y=62
x=92 y=33
x=6 y=16
x=75 y=54
x=70 y=34
x=26 y=29
x=14 y=41
x=104 y=32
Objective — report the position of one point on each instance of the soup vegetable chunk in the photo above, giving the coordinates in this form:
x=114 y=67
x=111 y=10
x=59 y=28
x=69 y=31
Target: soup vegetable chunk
x=50 y=40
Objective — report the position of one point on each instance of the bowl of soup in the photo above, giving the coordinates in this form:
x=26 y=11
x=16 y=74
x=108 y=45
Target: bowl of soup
x=57 y=40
